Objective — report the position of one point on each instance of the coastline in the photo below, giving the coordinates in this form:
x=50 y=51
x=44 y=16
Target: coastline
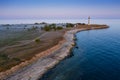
x=35 y=70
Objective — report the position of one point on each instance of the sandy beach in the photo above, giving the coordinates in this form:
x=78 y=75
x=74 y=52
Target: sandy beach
x=42 y=62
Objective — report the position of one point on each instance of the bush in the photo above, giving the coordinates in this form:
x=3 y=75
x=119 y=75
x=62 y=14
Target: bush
x=36 y=23
x=83 y=23
x=75 y=39
x=47 y=28
x=69 y=25
x=16 y=59
x=54 y=28
x=37 y=40
x=59 y=28
x=51 y=27
x=73 y=44
x=43 y=23
x=4 y=56
x=6 y=25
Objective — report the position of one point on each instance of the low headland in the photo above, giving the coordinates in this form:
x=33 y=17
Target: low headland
x=55 y=46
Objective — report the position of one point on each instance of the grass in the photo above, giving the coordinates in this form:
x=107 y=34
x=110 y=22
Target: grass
x=9 y=38
x=7 y=63
x=12 y=38
x=11 y=55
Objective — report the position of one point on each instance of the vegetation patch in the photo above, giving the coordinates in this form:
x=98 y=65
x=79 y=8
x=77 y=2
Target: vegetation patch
x=59 y=28
x=37 y=40
x=52 y=27
x=73 y=44
x=69 y=25
x=7 y=63
x=47 y=28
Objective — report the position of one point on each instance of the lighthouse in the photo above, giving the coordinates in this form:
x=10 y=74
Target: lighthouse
x=89 y=20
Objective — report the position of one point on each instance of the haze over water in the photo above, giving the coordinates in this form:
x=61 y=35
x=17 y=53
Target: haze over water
x=32 y=21
x=96 y=58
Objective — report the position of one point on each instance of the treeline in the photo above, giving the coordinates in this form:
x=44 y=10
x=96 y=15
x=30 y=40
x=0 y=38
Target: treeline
x=69 y=25
x=40 y=23
x=55 y=27
x=51 y=27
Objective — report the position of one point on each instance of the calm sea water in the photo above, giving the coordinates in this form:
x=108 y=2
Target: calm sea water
x=96 y=58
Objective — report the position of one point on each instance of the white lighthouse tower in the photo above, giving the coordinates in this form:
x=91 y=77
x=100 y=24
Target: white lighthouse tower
x=89 y=20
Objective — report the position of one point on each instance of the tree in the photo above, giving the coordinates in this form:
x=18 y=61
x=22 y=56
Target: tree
x=54 y=27
x=36 y=23
x=59 y=28
x=69 y=25
x=47 y=28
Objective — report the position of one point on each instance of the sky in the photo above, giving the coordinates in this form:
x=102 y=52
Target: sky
x=59 y=9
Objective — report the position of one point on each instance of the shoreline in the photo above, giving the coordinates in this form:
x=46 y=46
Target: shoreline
x=39 y=65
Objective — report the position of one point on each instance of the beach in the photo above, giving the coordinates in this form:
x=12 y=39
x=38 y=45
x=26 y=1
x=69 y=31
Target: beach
x=34 y=68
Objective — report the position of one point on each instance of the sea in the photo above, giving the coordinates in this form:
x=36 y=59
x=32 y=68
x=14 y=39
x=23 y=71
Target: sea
x=96 y=55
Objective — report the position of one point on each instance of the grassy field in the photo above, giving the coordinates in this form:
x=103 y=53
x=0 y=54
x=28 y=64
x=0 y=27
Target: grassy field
x=17 y=45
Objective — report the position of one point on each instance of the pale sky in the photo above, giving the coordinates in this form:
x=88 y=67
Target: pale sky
x=36 y=9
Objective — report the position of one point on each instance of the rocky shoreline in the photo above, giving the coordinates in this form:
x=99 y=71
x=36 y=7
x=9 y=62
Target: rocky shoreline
x=50 y=58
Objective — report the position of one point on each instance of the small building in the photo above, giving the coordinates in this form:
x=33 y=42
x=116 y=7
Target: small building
x=89 y=20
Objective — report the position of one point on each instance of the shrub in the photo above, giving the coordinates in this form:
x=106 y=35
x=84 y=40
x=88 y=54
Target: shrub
x=6 y=25
x=53 y=25
x=75 y=39
x=54 y=28
x=4 y=56
x=37 y=40
x=43 y=23
x=16 y=59
x=69 y=25
x=83 y=23
x=36 y=23
x=59 y=28
x=47 y=28
x=73 y=44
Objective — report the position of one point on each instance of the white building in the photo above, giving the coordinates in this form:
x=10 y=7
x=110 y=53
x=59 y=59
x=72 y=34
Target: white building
x=89 y=20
